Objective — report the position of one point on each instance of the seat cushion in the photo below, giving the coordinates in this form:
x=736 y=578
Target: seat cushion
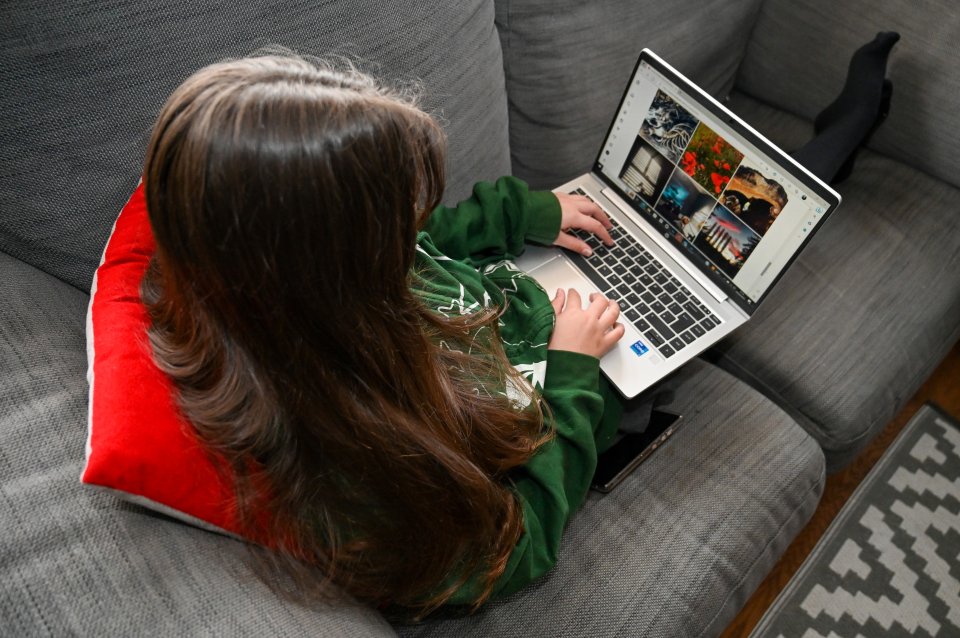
x=568 y=62
x=677 y=549
x=83 y=83
x=75 y=561
x=868 y=309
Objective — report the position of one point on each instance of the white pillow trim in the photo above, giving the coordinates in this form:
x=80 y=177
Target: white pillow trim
x=166 y=510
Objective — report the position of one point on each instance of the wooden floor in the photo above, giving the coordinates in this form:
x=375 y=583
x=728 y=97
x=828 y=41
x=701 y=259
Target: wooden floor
x=942 y=388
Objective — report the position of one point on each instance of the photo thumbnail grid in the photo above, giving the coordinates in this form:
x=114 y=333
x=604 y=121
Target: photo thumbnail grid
x=701 y=185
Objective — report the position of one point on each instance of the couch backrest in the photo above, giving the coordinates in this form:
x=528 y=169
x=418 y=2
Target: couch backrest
x=798 y=55
x=568 y=61
x=81 y=85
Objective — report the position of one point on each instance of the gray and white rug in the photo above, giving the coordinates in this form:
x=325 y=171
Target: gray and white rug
x=889 y=565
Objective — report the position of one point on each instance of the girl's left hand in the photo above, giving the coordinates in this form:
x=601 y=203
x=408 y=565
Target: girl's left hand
x=578 y=211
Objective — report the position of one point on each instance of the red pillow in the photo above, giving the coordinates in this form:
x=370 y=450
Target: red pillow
x=138 y=443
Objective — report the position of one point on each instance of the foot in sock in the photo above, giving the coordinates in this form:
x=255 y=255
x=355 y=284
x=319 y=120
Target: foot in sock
x=847 y=123
x=844 y=171
x=863 y=90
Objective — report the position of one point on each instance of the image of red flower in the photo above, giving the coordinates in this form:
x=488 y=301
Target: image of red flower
x=717 y=182
x=709 y=159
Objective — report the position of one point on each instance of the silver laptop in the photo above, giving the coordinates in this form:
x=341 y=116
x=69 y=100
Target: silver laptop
x=707 y=216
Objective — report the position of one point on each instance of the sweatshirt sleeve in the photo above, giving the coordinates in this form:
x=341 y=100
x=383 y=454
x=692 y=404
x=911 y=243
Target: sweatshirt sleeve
x=495 y=222
x=555 y=482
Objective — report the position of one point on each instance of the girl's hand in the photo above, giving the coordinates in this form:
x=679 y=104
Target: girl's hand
x=578 y=211
x=593 y=331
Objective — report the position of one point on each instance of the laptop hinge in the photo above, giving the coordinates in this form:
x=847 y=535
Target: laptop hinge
x=671 y=250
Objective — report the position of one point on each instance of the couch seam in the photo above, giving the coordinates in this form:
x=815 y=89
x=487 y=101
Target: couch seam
x=743 y=54
x=788 y=405
x=506 y=48
x=768 y=391
x=837 y=446
x=842 y=446
x=813 y=487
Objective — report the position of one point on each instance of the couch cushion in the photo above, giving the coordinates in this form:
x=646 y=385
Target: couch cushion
x=74 y=561
x=868 y=309
x=83 y=83
x=674 y=550
x=677 y=548
x=797 y=60
x=567 y=63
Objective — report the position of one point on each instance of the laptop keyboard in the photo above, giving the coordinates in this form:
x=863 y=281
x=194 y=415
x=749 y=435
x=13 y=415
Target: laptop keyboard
x=664 y=310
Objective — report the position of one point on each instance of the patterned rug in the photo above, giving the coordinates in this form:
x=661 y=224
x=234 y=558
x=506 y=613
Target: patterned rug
x=889 y=565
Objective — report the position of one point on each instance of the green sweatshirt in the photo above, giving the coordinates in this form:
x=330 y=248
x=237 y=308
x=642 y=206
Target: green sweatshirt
x=463 y=263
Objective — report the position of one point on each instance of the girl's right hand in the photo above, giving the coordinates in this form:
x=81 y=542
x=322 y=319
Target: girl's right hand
x=593 y=331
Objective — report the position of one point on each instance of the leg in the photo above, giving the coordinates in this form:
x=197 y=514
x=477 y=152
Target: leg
x=847 y=123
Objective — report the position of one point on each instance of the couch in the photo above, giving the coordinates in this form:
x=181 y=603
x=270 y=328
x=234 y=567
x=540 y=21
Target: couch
x=524 y=87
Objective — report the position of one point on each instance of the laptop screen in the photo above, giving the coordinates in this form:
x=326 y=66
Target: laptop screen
x=714 y=187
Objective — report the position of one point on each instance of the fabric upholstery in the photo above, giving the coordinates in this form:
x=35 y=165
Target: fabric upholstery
x=567 y=63
x=83 y=82
x=677 y=548
x=75 y=561
x=797 y=60
x=869 y=308
x=674 y=551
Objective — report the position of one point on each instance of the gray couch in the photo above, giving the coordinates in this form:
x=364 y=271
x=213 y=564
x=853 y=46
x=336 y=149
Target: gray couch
x=521 y=86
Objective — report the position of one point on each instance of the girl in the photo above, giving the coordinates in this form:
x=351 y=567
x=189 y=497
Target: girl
x=405 y=414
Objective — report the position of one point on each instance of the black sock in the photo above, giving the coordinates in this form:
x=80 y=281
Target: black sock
x=847 y=123
x=861 y=92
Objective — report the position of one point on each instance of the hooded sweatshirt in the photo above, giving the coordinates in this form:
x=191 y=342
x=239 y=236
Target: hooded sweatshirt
x=463 y=263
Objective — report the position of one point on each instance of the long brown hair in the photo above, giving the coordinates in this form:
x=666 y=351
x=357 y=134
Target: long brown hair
x=369 y=437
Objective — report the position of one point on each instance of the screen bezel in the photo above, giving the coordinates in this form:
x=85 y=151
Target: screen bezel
x=783 y=161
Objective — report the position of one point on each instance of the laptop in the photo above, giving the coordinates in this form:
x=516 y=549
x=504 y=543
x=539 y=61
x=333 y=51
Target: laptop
x=707 y=215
